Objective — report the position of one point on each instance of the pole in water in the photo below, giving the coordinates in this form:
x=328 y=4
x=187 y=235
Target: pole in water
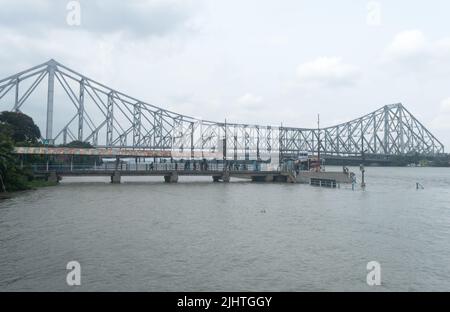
x=363 y=170
x=318 y=142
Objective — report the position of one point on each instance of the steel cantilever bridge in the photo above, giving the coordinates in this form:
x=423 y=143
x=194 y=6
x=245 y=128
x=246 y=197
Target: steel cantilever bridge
x=75 y=107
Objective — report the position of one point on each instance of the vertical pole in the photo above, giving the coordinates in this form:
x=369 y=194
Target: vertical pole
x=201 y=137
x=65 y=136
x=338 y=137
x=246 y=142
x=81 y=111
x=235 y=144
x=117 y=162
x=225 y=144
x=95 y=138
x=136 y=124
x=109 y=120
x=362 y=137
x=386 y=130
x=375 y=134
x=192 y=140
x=50 y=97
x=363 y=170
x=257 y=144
x=400 y=124
x=280 y=144
x=318 y=142
x=16 y=100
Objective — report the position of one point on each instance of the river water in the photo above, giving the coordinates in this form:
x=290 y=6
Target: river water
x=144 y=235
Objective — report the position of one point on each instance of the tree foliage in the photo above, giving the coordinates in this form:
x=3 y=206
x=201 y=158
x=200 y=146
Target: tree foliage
x=78 y=144
x=15 y=129
x=12 y=178
x=21 y=127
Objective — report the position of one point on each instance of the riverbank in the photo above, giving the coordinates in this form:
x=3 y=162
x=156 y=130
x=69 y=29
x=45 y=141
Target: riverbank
x=34 y=184
x=31 y=185
x=5 y=195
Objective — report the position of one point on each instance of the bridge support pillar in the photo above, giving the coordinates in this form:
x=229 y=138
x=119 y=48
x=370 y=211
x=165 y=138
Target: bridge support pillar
x=280 y=178
x=173 y=178
x=268 y=178
x=115 y=177
x=52 y=177
x=291 y=178
x=226 y=177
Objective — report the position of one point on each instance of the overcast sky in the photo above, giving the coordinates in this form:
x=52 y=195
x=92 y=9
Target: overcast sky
x=255 y=61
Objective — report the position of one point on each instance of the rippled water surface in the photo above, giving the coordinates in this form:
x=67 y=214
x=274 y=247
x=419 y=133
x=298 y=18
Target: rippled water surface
x=144 y=235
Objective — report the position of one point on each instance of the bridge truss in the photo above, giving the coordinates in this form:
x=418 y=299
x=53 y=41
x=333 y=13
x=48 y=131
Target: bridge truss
x=75 y=107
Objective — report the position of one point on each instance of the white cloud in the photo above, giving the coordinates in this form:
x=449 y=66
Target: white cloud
x=445 y=106
x=249 y=99
x=406 y=44
x=412 y=51
x=331 y=71
x=442 y=120
x=442 y=47
x=141 y=18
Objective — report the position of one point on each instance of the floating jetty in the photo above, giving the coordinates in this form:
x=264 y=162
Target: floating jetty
x=329 y=179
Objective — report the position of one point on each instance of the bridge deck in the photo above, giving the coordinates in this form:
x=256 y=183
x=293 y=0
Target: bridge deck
x=101 y=152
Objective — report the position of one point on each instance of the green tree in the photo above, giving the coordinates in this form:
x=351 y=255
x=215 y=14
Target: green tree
x=80 y=159
x=6 y=158
x=12 y=178
x=78 y=144
x=15 y=129
x=22 y=128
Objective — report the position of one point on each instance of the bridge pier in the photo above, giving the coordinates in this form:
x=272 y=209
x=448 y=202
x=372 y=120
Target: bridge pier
x=267 y=178
x=225 y=177
x=291 y=178
x=172 y=178
x=115 y=177
x=52 y=177
x=279 y=178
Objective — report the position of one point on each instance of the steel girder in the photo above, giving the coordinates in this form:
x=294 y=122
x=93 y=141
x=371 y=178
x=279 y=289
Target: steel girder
x=108 y=118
